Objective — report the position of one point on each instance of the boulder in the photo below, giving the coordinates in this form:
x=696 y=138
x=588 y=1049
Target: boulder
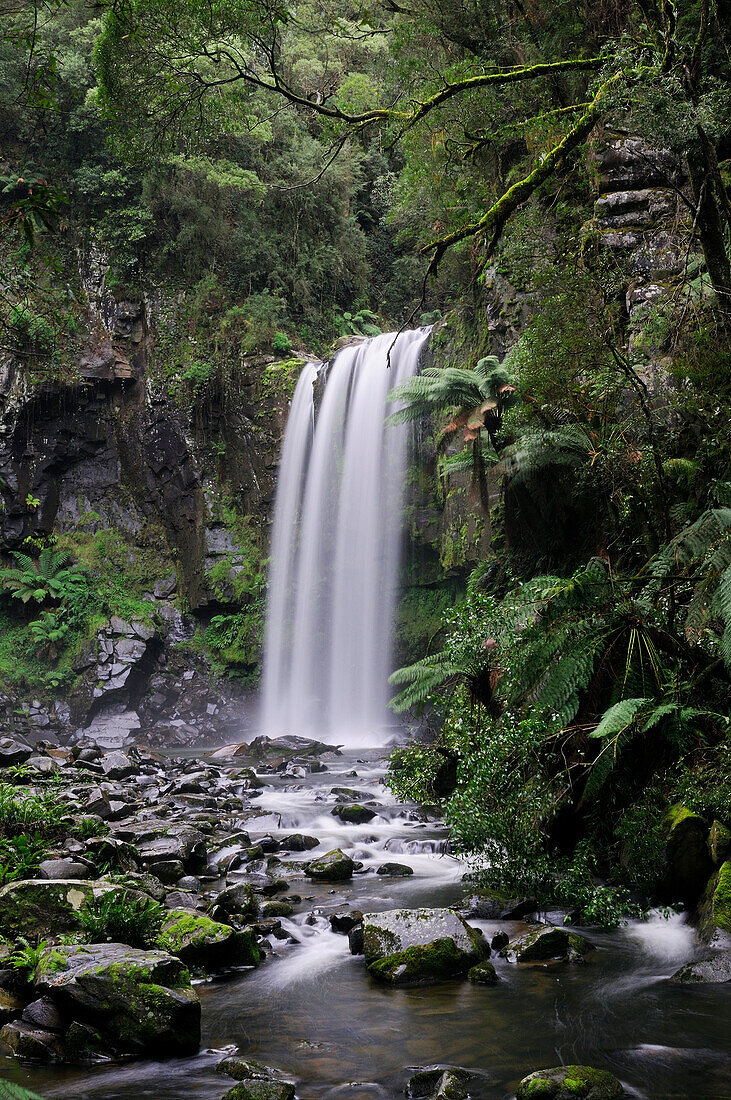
x=420 y=946
x=32 y=1044
x=256 y=1089
x=37 y=908
x=395 y=870
x=483 y=974
x=298 y=842
x=715 y=907
x=398 y=929
x=140 y=1001
x=344 y=920
x=570 y=1083
x=244 y=1069
x=160 y=841
x=117 y=765
x=10 y=1006
x=712 y=971
x=13 y=752
x=205 y=944
x=486 y=905
x=547 y=944
x=237 y=900
x=352 y=813
x=688 y=863
x=445 y=1082
x=334 y=866
x=719 y=843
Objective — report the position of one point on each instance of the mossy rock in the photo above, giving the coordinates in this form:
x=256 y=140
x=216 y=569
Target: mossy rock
x=334 y=866
x=395 y=930
x=483 y=974
x=261 y=1090
x=715 y=970
x=206 y=944
x=546 y=945
x=570 y=1083
x=139 y=1001
x=714 y=912
x=38 y=908
x=244 y=1069
x=688 y=863
x=719 y=843
x=424 y=965
x=353 y=813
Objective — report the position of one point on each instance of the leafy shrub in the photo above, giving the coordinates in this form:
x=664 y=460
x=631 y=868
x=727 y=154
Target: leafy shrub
x=20 y=857
x=116 y=918
x=281 y=343
x=25 y=957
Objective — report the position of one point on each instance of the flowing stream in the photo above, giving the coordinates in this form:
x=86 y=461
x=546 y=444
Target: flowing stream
x=312 y=1010
x=336 y=546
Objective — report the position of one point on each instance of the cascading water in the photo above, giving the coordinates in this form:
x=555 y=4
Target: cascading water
x=335 y=548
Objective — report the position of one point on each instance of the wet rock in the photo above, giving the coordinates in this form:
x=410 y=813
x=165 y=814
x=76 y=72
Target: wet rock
x=37 y=908
x=499 y=940
x=64 y=869
x=688 y=864
x=719 y=843
x=244 y=1069
x=356 y=939
x=168 y=871
x=352 y=813
x=547 y=944
x=138 y=1000
x=255 y=1089
x=570 y=1083
x=712 y=971
x=13 y=752
x=395 y=870
x=334 y=866
x=715 y=907
x=117 y=765
x=158 y=841
x=206 y=944
x=483 y=974
x=31 y=1044
x=348 y=794
x=237 y=900
x=10 y=1006
x=434 y=962
x=277 y=909
x=445 y=1082
x=398 y=929
x=43 y=1013
x=487 y=905
x=298 y=842
x=344 y=920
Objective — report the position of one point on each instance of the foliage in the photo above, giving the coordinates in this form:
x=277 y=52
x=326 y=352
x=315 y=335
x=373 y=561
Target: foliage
x=51 y=577
x=20 y=857
x=25 y=957
x=114 y=917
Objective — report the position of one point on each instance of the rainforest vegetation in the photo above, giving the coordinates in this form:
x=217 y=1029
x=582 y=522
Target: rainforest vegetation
x=271 y=176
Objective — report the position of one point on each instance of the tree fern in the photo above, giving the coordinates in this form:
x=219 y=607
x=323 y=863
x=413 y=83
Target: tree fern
x=617 y=728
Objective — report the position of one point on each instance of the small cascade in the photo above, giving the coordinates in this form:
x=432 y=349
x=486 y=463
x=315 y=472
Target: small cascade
x=335 y=548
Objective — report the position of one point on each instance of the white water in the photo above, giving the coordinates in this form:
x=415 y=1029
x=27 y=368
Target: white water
x=336 y=547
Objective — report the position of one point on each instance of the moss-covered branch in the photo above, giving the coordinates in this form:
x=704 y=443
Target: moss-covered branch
x=493 y=220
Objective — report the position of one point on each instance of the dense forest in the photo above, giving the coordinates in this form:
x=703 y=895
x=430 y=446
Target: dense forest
x=197 y=199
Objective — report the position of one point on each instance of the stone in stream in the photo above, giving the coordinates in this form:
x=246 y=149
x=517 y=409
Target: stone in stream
x=570 y=1083
x=31 y=1044
x=353 y=813
x=205 y=944
x=298 y=842
x=712 y=971
x=420 y=946
x=547 y=944
x=483 y=974
x=334 y=866
x=344 y=920
x=140 y=1001
x=445 y=1082
x=395 y=870
x=715 y=908
x=244 y=1069
x=260 y=1090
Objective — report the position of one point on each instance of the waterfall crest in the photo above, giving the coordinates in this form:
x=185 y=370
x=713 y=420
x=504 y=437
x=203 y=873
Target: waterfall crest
x=336 y=546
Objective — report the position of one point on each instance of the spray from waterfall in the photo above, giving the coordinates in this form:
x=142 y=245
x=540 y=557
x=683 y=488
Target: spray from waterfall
x=336 y=546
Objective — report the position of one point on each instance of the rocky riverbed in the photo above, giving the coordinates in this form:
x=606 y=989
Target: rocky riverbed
x=309 y=936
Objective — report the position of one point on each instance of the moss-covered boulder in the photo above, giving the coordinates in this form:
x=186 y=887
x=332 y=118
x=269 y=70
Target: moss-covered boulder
x=719 y=843
x=687 y=860
x=244 y=1069
x=139 y=1001
x=261 y=1090
x=715 y=970
x=334 y=866
x=424 y=965
x=715 y=908
x=570 y=1083
x=397 y=930
x=546 y=945
x=206 y=944
x=353 y=813
x=439 y=1081
x=37 y=908
x=483 y=974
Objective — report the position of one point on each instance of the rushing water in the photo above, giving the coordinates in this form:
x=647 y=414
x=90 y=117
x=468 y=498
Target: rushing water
x=335 y=547
x=312 y=1010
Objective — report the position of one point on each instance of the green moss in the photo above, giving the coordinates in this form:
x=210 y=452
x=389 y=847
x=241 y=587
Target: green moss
x=422 y=965
x=722 y=898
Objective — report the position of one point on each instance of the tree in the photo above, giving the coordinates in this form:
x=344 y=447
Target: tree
x=515 y=87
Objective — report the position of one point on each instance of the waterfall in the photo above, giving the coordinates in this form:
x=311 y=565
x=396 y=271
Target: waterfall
x=335 y=547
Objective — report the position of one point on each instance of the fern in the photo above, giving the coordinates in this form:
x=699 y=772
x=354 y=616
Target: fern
x=617 y=728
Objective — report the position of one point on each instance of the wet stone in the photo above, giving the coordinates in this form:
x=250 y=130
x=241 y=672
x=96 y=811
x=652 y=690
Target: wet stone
x=570 y=1083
